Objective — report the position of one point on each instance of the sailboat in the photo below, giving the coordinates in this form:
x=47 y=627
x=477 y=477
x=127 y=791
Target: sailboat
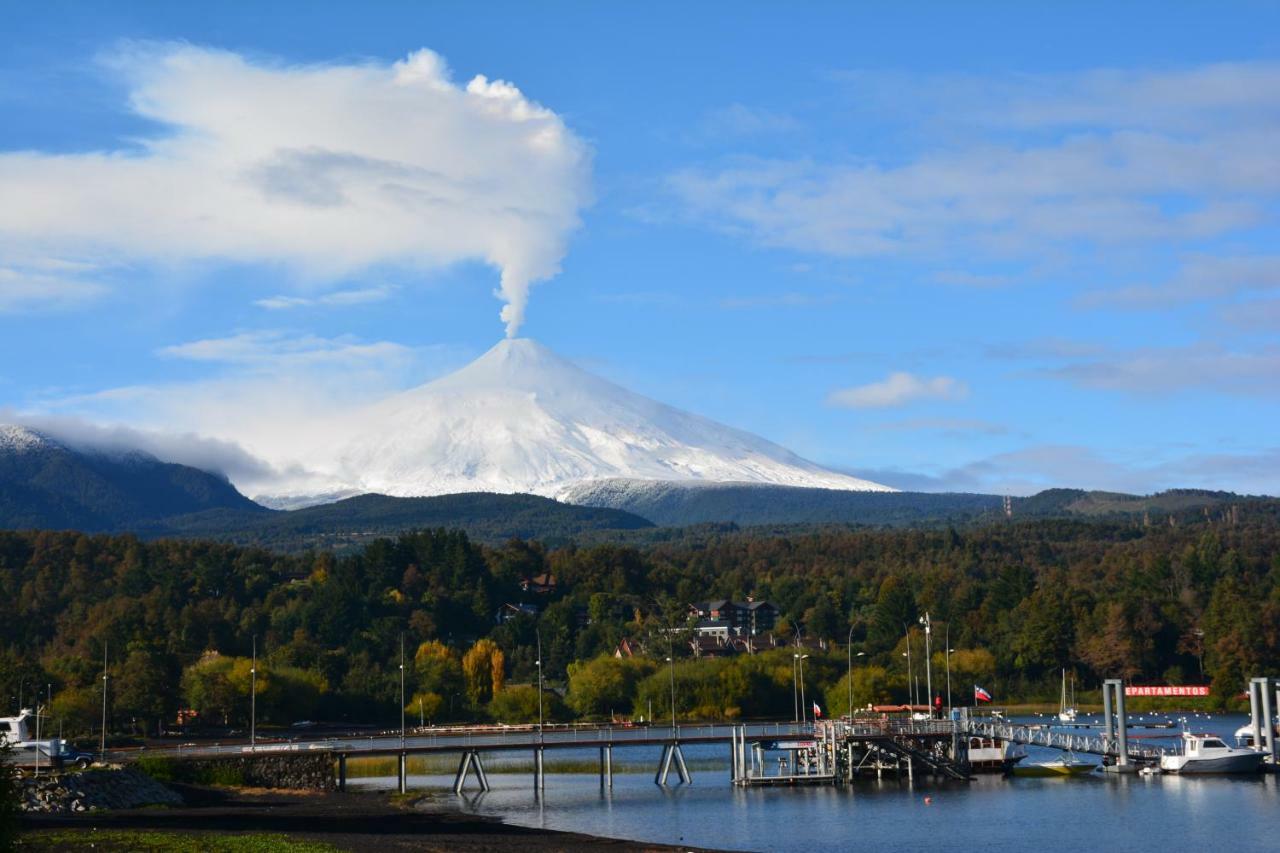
x=1067 y=713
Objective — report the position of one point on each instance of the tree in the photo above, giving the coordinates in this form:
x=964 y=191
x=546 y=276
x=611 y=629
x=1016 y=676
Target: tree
x=483 y=671
x=605 y=684
x=870 y=687
x=438 y=668
x=209 y=689
x=519 y=704
x=142 y=688
x=895 y=609
x=78 y=709
x=425 y=706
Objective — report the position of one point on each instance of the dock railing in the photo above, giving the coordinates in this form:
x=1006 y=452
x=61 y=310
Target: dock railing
x=1041 y=735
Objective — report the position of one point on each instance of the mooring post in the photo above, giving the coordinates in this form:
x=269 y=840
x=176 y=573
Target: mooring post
x=606 y=766
x=402 y=771
x=1255 y=711
x=1108 y=721
x=342 y=771
x=1268 y=716
x=1122 y=726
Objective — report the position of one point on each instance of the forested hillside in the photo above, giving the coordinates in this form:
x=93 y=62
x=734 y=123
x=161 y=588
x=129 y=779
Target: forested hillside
x=1017 y=600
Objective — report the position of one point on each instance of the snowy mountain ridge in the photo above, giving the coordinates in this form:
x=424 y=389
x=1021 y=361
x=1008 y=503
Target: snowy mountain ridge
x=522 y=419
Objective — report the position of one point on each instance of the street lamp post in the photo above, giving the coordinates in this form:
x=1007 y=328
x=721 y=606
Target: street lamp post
x=253 y=696
x=795 y=690
x=671 y=661
x=102 y=746
x=911 y=691
x=804 y=709
x=947 y=639
x=849 y=677
x=538 y=634
x=928 y=660
x=402 y=691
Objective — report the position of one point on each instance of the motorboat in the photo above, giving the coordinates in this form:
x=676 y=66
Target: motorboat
x=18 y=733
x=1204 y=753
x=1067 y=712
x=1066 y=765
x=1244 y=737
x=993 y=754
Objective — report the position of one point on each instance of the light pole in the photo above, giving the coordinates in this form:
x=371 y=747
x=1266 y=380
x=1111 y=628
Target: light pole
x=538 y=635
x=253 y=696
x=38 y=709
x=849 y=650
x=911 y=692
x=804 y=710
x=102 y=746
x=949 y=651
x=671 y=660
x=402 y=691
x=850 y=679
x=795 y=690
x=928 y=660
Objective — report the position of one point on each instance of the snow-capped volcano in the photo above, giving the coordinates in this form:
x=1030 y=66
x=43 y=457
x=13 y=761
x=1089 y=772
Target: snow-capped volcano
x=522 y=419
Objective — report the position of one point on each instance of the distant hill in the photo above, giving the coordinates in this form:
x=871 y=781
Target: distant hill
x=45 y=484
x=675 y=504
x=485 y=517
x=748 y=504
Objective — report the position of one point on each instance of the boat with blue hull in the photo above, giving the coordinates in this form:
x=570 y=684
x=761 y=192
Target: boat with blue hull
x=1204 y=753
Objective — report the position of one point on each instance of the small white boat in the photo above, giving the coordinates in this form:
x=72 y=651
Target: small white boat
x=1067 y=712
x=1203 y=753
x=1067 y=765
x=993 y=755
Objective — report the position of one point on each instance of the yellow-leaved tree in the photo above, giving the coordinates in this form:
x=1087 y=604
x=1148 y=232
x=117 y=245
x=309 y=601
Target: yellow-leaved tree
x=484 y=670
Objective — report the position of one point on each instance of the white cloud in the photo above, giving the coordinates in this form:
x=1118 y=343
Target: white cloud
x=336 y=299
x=44 y=288
x=1162 y=370
x=898 y=389
x=276 y=351
x=780 y=300
x=207 y=454
x=326 y=170
x=954 y=426
x=1024 y=165
x=1203 y=277
x=276 y=396
x=1033 y=469
x=1259 y=315
x=742 y=120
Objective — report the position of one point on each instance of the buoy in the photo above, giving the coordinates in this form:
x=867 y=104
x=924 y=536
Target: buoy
x=928 y=801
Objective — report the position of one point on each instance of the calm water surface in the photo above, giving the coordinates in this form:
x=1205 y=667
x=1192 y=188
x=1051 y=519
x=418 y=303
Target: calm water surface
x=992 y=813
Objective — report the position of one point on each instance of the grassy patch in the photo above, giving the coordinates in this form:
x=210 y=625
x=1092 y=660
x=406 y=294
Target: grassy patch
x=167 y=842
x=165 y=769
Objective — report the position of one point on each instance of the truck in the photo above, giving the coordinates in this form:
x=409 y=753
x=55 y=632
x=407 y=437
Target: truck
x=26 y=753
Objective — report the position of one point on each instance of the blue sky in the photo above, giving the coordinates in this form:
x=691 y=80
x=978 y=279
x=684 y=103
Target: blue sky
x=990 y=248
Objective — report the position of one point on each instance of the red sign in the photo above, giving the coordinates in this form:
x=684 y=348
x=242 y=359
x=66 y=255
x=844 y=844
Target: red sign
x=1167 y=690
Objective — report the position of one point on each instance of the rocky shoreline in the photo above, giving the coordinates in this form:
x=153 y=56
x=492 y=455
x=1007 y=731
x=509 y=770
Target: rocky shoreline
x=93 y=790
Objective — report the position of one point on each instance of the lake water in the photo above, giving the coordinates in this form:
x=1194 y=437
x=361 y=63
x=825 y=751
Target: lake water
x=991 y=813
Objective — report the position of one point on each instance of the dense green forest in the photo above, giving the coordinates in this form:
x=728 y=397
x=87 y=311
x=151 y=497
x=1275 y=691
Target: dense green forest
x=1017 y=601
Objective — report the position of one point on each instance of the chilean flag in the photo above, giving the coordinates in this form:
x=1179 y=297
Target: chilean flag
x=980 y=695
x=817 y=712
